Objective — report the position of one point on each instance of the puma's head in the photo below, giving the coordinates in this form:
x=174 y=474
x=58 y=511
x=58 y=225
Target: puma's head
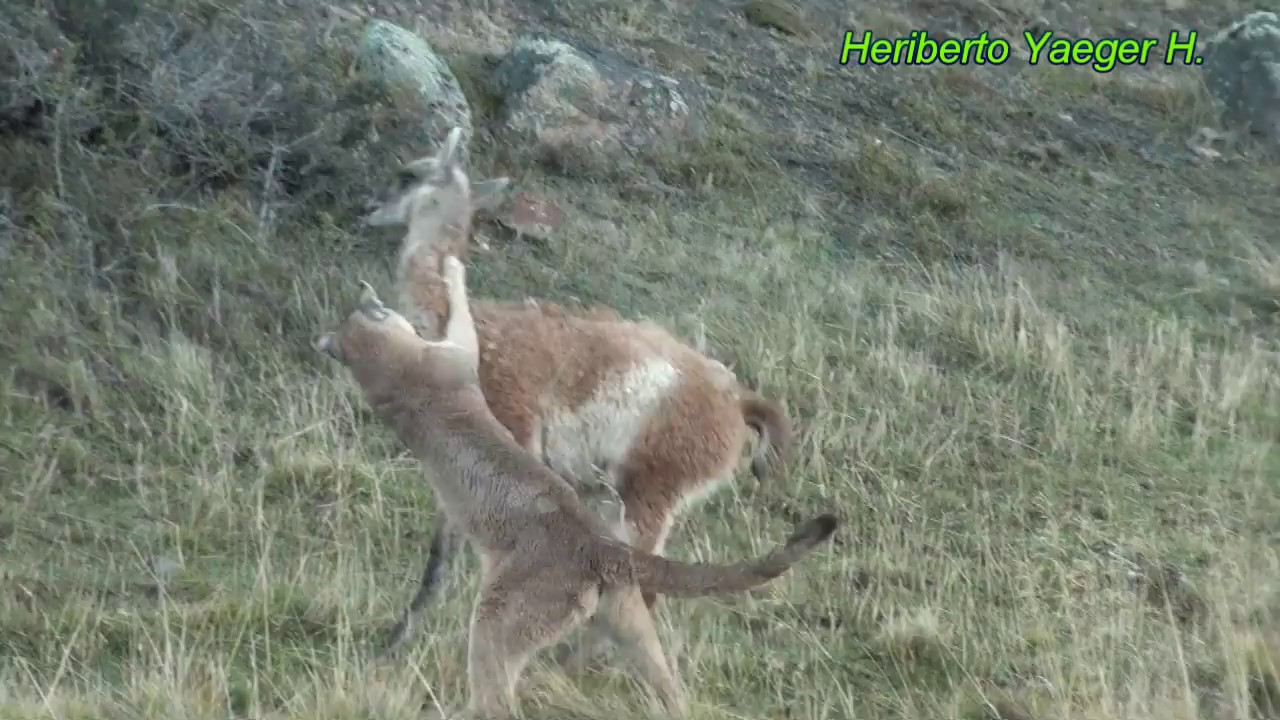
x=372 y=330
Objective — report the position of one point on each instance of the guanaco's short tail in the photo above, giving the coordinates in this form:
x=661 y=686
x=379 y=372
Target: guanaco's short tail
x=771 y=424
x=656 y=574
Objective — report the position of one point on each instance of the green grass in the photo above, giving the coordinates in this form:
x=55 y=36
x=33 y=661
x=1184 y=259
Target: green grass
x=1043 y=395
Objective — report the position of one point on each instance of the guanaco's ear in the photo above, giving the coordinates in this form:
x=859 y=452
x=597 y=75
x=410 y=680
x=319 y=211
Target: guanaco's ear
x=489 y=194
x=450 y=153
x=426 y=167
x=432 y=167
x=395 y=211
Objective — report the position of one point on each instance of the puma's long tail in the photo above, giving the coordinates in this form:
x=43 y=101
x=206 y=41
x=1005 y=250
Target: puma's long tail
x=656 y=574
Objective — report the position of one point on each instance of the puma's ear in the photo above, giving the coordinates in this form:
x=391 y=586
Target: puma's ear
x=325 y=344
x=370 y=305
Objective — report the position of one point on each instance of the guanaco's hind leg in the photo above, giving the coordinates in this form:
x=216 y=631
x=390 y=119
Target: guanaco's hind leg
x=445 y=542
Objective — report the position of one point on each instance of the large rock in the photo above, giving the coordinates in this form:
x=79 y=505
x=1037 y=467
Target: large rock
x=396 y=58
x=1243 y=62
x=558 y=99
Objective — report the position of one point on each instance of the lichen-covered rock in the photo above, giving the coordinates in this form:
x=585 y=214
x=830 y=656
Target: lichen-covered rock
x=394 y=57
x=558 y=99
x=1243 y=62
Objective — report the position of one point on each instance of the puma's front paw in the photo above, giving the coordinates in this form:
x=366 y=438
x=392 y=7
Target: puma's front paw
x=455 y=273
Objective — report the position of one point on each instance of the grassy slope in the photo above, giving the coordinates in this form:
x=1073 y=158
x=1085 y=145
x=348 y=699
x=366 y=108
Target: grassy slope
x=1033 y=391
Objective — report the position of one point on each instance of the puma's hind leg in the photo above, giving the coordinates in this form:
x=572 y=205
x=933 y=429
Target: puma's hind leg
x=514 y=617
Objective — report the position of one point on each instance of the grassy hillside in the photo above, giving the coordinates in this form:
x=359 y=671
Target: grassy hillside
x=1028 y=338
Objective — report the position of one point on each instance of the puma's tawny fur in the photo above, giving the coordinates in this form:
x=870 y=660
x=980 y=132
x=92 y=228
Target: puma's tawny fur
x=547 y=562
x=595 y=396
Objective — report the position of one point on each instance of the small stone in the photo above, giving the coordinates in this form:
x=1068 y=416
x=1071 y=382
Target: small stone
x=531 y=215
x=775 y=15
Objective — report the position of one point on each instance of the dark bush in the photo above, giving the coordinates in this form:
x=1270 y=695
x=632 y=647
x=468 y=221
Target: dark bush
x=135 y=134
x=209 y=97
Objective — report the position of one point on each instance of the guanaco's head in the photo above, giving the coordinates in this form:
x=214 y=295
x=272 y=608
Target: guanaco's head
x=372 y=332
x=435 y=192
